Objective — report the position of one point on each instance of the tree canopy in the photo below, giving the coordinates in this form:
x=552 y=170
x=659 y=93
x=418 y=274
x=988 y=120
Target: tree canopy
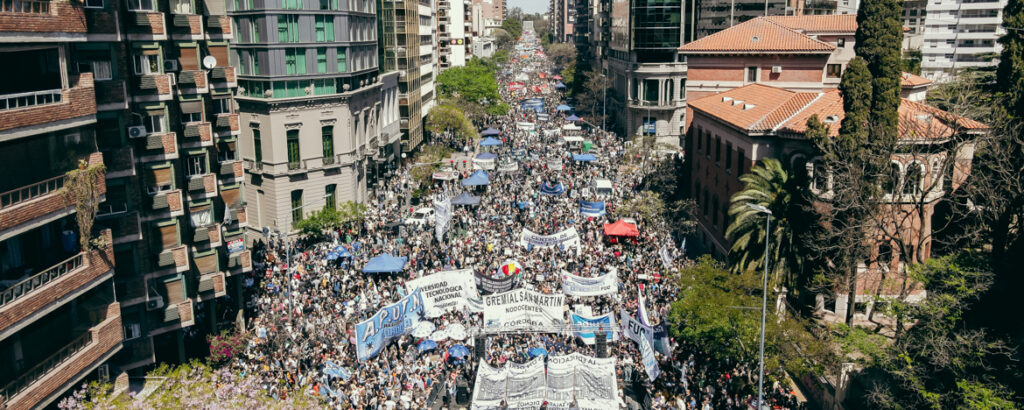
x=513 y=27
x=472 y=83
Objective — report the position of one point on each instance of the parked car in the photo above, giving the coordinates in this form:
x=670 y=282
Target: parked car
x=422 y=217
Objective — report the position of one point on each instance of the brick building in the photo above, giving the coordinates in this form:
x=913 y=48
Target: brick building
x=145 y=88
x=734 y=130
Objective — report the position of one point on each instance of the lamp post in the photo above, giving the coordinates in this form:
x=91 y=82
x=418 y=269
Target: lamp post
x=764 y=300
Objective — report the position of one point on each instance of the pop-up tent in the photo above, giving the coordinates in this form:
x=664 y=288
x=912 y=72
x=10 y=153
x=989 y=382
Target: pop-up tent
x=385 y=264
x=560 y=85
x=621 y=228
x=466 y=199
x=486 y=155
x=548 y=189
x=490 y=131
x=564 y=107
x=572 y=118
x=478 y=178
x=490 y=142
x=583 y=157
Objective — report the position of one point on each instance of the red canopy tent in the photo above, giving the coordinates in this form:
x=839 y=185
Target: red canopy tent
x=621 y=228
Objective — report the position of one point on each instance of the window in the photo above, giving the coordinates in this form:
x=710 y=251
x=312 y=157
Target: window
x=182 y=7
x=100 y=69
x=195 y=165
x=751 y=74
x=254 y=62
x=718 y=149
x=324 y=27
x=291 y=4
x=705 y=202
x=293 y=149
x=714 y=208
x=155 y=124
x=295 y=61
x=288 y=29
x=226 y=152
x=296 y=205
x=329 y=198
x=222 y=105
x=834 y=70
x=132 y=331
x=342 y=61
x=257 y=147
x=819 y=177
x=912 y=182
x=327 y=135
x=146 y=5
x=884 y=256
x=740 y=157
x=728 y=157
x=841 y=42
x=147 y=64
x=707 y=143
x=190 y=117
x=891 y=184
x=321 y=60
x=254 y=31
x=700 y=143
x=201 y=216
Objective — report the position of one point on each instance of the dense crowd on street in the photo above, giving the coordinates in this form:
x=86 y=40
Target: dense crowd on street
x=307 y=304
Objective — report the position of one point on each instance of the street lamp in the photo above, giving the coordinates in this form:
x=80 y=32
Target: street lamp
x=764 y=300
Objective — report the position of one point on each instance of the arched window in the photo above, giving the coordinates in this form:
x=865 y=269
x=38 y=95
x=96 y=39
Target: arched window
x=798 y=163
x=891 y=183
x=819 y=176
x=913 y=180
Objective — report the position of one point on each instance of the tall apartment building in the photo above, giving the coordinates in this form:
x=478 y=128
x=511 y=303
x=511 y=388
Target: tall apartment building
x=310 y=103
x=407 y=46
x=492 y=14
x=958 y=34
x=144 y=88
x=648 y=78
x=711 y=16
x=562 y=19
x=454 y=27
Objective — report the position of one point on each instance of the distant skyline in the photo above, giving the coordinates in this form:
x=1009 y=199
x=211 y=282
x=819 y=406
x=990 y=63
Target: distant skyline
x=530 y=6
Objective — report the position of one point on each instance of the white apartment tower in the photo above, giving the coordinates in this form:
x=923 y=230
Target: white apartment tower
x=959 y=34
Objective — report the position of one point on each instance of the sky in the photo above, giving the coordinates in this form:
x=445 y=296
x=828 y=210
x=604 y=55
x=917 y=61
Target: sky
x=530 y=6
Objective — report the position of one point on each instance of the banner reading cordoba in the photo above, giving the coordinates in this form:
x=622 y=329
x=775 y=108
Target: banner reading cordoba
x=567 y=237
x=581 y=286
x=444 y=291
x=584 y=327
x=391 y=322
x=522 y=309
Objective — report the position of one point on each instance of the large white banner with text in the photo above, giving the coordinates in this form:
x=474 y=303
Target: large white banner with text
x=521 y=309
x=445 y=291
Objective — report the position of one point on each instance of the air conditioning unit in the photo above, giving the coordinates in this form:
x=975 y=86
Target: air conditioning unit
x=137 y=131
x=155 y=303
x=170 y=65
x=776 y=69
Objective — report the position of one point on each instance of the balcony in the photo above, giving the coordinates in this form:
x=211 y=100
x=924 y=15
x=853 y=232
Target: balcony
x=175 y=258
x=193 y=79
x=209 y=234
x=169 y=201
x=42 y=21
x=125 y=227
x=186 y=26
x=43 y=200
x=198 y=134
x=218 y=25
x=153 y=87
x=174 y=316
x=136 y=353
x=111 y=96
x=120 y=162
x=231 y=169
x=212 y=286
x=239 y=262
x=227 y=124
x=43 y=111
x=45 y=291
x=223 y=75
x=202 y=186
x=160 y=147
x=103 y=24
x=146 y=25
x=238 y=220
x=39 y=385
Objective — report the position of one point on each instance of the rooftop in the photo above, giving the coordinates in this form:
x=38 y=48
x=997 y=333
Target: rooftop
x=831 y=23
x=908 y=80
x=764 y=35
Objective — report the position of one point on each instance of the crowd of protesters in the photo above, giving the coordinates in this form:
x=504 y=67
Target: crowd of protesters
x=307 y=305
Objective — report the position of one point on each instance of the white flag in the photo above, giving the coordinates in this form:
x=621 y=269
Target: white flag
x=442 y=215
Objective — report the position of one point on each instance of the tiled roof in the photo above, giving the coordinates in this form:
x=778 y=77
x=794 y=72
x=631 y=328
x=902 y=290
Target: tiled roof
x=757 y=36
x=911 y=80
x=786 y=112
x=831 y=23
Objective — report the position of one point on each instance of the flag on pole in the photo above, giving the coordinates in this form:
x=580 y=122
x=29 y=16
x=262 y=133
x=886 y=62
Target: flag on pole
x=442 y=215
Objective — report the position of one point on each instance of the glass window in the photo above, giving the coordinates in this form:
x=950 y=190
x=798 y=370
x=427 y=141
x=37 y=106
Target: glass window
x=191 y=117
x=342 y=61
x=144 y=5
x=912 y=183
x=834 y=70
x=287 y=29
x=291 y=4
x=203 y=217
x=819 y=181
x=182 y=7
x=226 y=152
x=100 y=69
x=195 y=165
x=295 y=61
x=321 y=60
x=751 y=74
x=892 y=183
x=329 y=198
x=257 y=147
x=327 y=134
x=155 y=124
x=324 y=27
x=293 y=149
x=94 y=4
x=222 y=105
x=147 y=64
x=296 y=205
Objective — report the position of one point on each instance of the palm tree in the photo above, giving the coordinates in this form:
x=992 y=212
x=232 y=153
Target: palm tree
x=775 y=187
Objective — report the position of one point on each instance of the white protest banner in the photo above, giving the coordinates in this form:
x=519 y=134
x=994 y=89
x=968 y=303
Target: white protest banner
x=445 y=291
x=596 y=386
x=526 y=384
x=650 y=362
x=442 y=215
x=567 y=237
x=561 y=382
x=574 y=285
x=521 y=309
x=635 y=330
x=490 y=387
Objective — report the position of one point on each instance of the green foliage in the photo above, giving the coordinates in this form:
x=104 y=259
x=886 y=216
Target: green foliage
x=773 y=186
x=879 y=39
x=569 y=74
x=562 y=54
x=427 y=161
x=912 y=62
x=448 y=117
x=856 y=90
x=500 y=57
x=502 y=39
x=498 y=109
x=644 y=206
x=1010 y=74
x=513 y=27
x=473 y=82
x=315 y=224
x=81 y=187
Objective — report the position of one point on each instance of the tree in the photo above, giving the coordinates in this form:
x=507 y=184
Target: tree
x=503 y=39
x=562 y=54
x=513 y=26
x=447 y=117
x=1010 y=74
x=591 y=98
x=315 y=225
x=878 y=42
x=568 y=74
x=775 y=187
x=81 y=187
x=473 y=83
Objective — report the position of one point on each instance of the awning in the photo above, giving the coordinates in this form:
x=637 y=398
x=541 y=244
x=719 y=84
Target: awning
x=478 y=178
x=191 y=107
x=564 y=107
x=490 y=142
x=466 y=199
x=583 y=157
x=486 y=155
x=572 y=118
x=385 y=264
x=490 y=131
x=621 y=228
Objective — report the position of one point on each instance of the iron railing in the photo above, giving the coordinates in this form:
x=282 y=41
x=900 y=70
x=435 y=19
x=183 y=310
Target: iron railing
x=38 y=371
x=25 y=6
x=30 y=192
x=29 y=99
x=40 y=280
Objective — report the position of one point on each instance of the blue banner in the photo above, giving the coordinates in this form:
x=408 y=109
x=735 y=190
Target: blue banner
x=584 y=327
x=594 y=209
x=389 y=323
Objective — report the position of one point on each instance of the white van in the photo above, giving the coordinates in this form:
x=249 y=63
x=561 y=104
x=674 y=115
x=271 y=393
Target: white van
x=601 y=187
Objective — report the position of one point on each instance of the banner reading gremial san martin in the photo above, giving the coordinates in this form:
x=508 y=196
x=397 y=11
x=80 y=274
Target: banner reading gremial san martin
x=582 y=286
x=444 y=291
x=521 y=309
x=567 y=237
x=391 y=322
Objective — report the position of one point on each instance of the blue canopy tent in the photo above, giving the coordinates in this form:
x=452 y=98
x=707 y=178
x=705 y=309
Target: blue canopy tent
x=486 y=155
x=490 y=142
x=564 y=107
x=560 y=85
x=466 y=199
x=548 y=189
x=385 y=264
x=490 y=131
x=572 y=118
x=458 y=351
x=342 y=252
x=583 y=157
x=478 y=178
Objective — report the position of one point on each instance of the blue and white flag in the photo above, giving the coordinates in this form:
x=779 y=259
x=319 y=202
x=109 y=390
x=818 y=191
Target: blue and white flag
x=650 y=362
x=584 y=327
x=442 y=215
x=666 y=257
x=389 y=323
x=592 y=209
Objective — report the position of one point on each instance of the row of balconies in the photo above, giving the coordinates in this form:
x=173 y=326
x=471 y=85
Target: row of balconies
x=40 y=20
x=24 y=205
x=150 y=25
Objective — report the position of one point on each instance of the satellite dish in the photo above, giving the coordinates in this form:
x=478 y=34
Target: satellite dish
x=209 y=62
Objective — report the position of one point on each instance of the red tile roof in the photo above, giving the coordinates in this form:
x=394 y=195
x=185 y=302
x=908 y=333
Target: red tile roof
x=832 y=23
x=908 y=80
x=786 y=112
x=757 y=36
